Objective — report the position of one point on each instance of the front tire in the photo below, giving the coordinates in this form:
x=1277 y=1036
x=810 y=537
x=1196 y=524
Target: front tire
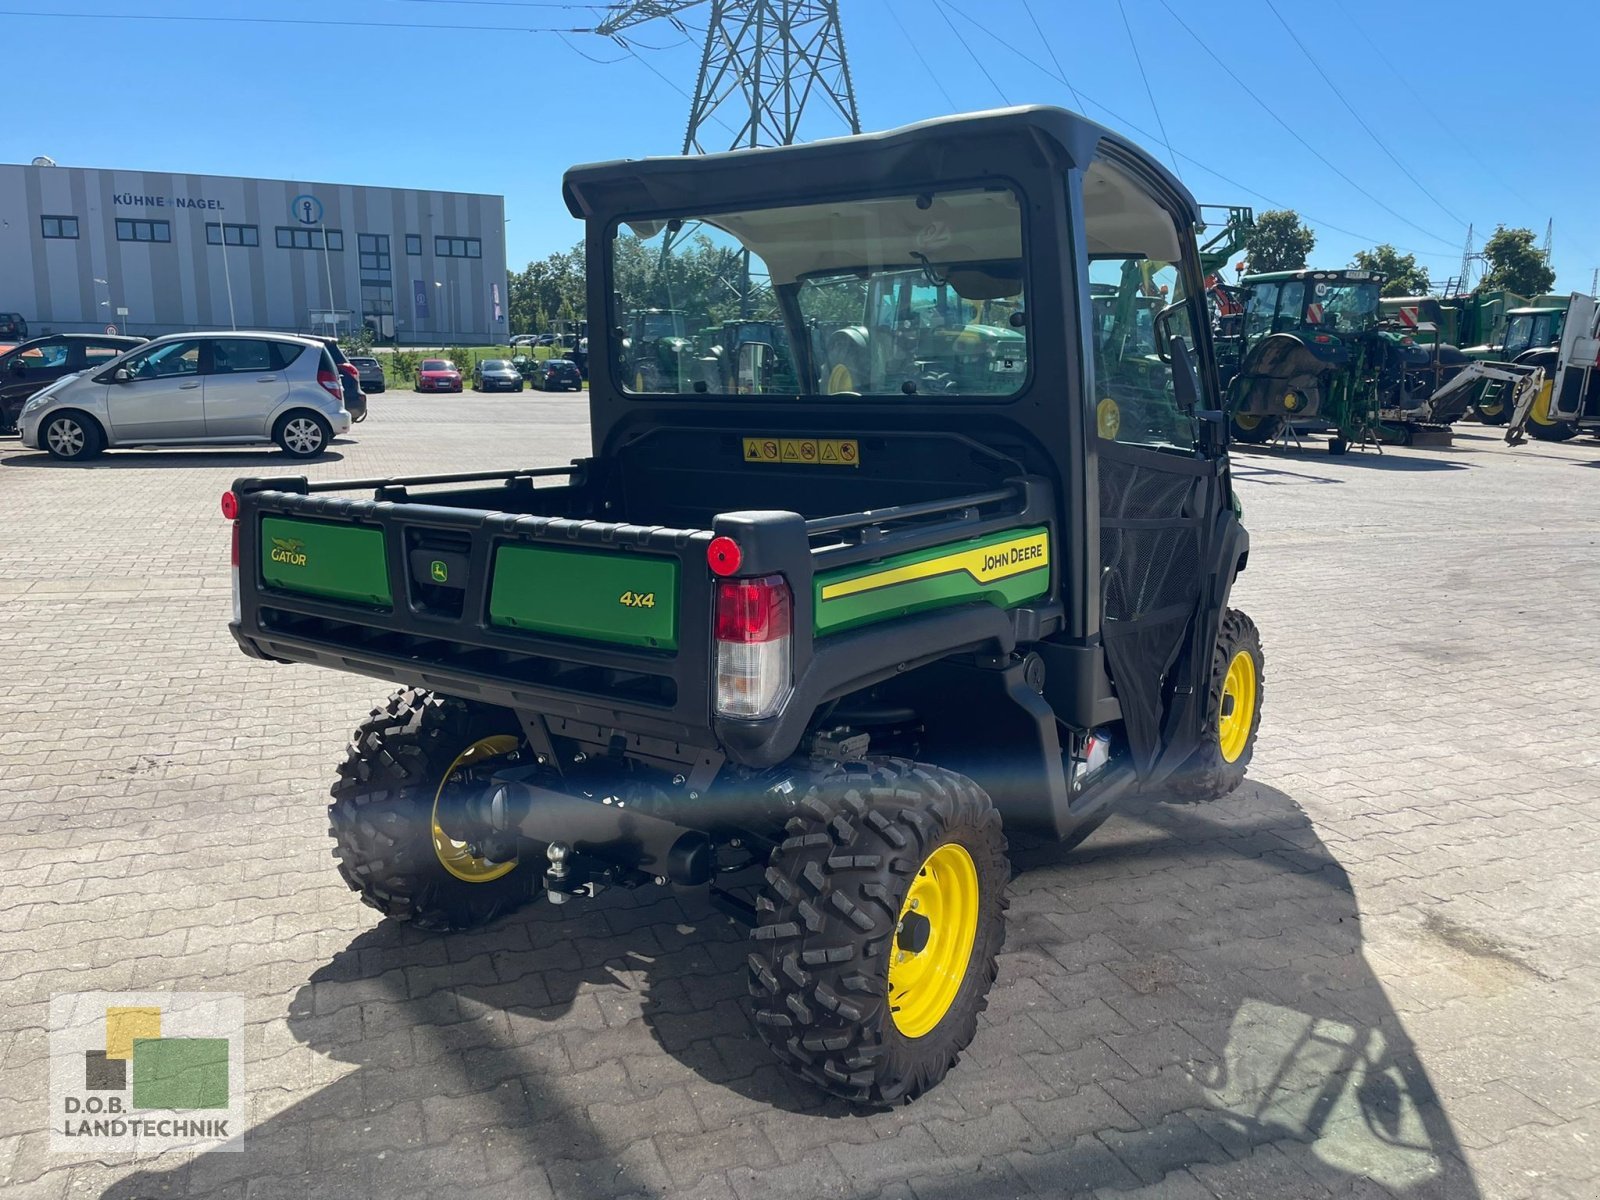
x=1233 y=713
x=877 y=929
x=1254 y=428
x=71 y=436
x=386 y=822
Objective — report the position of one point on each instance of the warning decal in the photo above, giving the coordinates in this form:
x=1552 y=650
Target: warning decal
x=805 y=452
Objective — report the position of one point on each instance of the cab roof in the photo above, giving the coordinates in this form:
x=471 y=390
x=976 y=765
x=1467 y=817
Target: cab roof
x=1342 y=276
x=1049 y=135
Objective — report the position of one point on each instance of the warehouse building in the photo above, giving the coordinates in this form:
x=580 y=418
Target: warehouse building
x=83 y=249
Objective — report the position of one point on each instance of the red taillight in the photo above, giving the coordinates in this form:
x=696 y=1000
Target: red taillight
x=754 y=654
x=349 y=369
x=330 y=381
x=723 y=556
x=753 y=610
x=230 y=506
x=235 y=563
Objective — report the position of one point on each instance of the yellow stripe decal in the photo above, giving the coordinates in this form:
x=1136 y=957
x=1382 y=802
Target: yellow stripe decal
x=986 y=564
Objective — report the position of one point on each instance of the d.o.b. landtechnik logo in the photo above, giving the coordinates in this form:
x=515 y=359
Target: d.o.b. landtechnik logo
x=146 y=1072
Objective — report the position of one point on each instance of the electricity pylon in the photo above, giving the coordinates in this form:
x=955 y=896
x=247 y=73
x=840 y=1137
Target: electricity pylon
x=766 y=64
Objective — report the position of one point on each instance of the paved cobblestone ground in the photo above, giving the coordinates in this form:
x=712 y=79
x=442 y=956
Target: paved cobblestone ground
x=1370 y=972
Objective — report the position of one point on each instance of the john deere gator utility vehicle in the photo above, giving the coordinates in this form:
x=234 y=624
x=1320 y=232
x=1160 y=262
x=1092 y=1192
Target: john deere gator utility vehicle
x=812 y=651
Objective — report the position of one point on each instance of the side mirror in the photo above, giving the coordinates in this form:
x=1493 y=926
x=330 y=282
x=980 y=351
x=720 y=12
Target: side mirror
x=1163 y=335
x=752 y=369
x=1185 y=378
x=121 y=375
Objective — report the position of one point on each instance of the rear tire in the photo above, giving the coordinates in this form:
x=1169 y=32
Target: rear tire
x=1238 y=678
x=878 y=928
x=1555 y=431
x=302 y=434
x=71 y=436
x=382 y=815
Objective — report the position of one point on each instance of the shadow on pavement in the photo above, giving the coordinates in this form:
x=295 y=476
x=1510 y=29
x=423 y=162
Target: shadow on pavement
x=124 y=460
x=1393 y=458
x=1186 y=991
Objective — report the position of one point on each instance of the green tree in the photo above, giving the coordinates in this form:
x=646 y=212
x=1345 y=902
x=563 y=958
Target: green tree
x=1403 y=276
x=1278 y=242
x=1516 y=264
x=554 y=284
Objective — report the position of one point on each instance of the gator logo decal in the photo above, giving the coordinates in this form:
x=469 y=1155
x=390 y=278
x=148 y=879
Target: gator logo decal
x=983 y=564
x=289 y=550
x=439 y=571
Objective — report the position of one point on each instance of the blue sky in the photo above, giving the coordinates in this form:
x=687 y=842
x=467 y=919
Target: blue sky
x=460 y=94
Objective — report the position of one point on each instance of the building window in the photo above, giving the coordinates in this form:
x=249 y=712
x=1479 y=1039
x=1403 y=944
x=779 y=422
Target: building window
x=374 y=248
x=218 y=234
x=413 y=243
x=290 y=238
x=448 y=247
x=59 y=227
x=144 y=231
x=377 y=298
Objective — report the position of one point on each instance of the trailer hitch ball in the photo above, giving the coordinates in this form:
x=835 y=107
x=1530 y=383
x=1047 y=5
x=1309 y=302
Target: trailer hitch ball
x=555 y=876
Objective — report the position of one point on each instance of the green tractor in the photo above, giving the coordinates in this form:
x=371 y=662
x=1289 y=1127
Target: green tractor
x=1311 y=355
x=1314 y=353
x=656 y=348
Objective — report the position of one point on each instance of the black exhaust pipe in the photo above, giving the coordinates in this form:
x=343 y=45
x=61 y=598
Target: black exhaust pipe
x=606 y=829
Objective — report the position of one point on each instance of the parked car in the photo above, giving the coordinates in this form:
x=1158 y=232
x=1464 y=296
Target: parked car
x=28 y=368
x=349 y=378
x=370 y=372
x=193 y=388
x=13 y=328
x=438 y=375
x=496 y=375
x=558 y=375
x=580 y=355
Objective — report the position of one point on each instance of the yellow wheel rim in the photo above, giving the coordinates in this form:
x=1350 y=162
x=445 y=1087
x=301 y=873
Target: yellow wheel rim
x=940 y=914
x=1291 y=401
x=455 y=856
x=1238 y=706
x=841 y=380
x=1540 y=411
x=1247 y=420
x=1493 y=408
x=1108 y=419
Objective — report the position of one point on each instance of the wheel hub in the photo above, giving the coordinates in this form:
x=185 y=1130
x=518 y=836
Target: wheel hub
x=1237 y=711
x=475 y=858
x=934 y=935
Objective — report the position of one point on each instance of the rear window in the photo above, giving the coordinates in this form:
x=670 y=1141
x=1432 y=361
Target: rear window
x=365 y=362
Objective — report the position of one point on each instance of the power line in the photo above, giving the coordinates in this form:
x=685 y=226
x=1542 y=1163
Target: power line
x=939 y=4
x=1439 y=122
x=211 y=20
x=1189 y=158
x=917 y=50
x=513 y=4
x=1379 y=142
x=1060 y=70
x=1294 y=133
x=602 y=62
x=669 y=81
x=1148 y=91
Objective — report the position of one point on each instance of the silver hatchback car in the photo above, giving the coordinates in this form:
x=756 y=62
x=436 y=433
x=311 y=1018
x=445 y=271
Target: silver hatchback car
x=195 y=389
